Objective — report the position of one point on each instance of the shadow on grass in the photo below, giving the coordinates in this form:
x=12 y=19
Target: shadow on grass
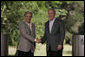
x=11 y=55
x=67 y=52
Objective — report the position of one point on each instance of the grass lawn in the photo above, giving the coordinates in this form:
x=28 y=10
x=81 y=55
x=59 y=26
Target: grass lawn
x=41 y=50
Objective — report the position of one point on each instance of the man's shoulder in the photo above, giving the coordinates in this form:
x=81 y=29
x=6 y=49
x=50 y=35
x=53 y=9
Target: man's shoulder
x=59 y=20
x=21 y=23
x=33 y=24
x=46 y=22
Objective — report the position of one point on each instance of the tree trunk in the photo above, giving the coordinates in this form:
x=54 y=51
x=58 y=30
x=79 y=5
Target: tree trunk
x=4 y=44
x=78 y=45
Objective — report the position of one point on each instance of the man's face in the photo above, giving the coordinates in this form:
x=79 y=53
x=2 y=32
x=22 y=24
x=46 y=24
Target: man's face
x=51 y=14
x=28 y=18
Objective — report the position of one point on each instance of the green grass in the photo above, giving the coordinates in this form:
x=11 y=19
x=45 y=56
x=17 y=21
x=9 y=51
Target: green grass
x=41 y=50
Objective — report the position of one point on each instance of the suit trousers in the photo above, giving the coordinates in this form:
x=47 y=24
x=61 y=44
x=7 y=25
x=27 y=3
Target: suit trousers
x=54 y=53
x=21 y=53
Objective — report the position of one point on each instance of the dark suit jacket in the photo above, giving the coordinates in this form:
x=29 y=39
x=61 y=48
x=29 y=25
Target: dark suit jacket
x=56 y=37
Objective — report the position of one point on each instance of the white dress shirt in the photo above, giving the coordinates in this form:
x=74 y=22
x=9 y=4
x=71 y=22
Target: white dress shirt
x=51 y=24
x=30 y=25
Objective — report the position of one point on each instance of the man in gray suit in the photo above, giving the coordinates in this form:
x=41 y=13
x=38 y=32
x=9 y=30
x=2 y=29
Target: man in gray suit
x=26 y=45
x=54 y=35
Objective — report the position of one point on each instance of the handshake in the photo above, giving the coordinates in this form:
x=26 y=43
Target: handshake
x=38 y=40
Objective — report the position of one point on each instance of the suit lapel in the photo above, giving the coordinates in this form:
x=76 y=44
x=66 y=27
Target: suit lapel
x=53 y=26
x=27 y=27
x=47 y=27
x=32 y=28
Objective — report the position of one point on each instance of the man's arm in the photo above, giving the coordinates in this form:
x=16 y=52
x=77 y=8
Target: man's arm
x=44 y=38
x=62 y=35
x=24 y=34
x=34 y=30
x=62 y=32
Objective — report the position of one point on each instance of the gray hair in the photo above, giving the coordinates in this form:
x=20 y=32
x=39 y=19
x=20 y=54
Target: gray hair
x=28 y=12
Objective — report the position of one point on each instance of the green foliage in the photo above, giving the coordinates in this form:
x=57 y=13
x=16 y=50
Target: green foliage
x=12 y=14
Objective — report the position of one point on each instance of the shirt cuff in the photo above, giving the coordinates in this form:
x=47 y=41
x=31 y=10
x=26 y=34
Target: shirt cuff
x=35 y=40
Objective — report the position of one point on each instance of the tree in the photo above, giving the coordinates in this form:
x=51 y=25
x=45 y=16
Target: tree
x=12 y=14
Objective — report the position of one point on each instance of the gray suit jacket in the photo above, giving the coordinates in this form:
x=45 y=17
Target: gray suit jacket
x=56 y=37
x=26 y=41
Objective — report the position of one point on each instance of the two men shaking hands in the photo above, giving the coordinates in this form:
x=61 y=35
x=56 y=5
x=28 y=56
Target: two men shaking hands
x=53 y=36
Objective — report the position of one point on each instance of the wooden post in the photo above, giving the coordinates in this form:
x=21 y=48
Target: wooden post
x=78 y=45
x=4 y=44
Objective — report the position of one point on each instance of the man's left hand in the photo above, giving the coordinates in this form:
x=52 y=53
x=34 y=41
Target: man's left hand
x=59 y=47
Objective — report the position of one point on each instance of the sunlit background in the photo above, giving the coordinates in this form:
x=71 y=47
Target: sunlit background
x=12 y=13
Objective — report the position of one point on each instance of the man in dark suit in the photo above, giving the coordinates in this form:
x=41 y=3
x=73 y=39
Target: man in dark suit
x=54 y=35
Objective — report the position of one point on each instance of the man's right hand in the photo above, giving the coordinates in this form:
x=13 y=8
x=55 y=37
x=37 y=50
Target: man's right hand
x=37 y=40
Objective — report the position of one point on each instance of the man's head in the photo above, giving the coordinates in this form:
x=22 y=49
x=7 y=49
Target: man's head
x=51 y=13
x=28 y=16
